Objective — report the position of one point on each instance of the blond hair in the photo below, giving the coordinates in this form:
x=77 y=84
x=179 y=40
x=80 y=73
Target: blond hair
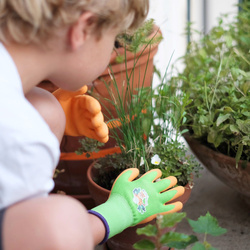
x=28 y=21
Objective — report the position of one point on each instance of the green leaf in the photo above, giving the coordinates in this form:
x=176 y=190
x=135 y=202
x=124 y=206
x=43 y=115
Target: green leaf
x=203 y=246
x=214 y=137
x=239 y=153
x=184 y=131
x=146 y=125
x=144 y=244
x=222 y=118
x=177 y=240
x=237 y=72
x=207 y=224
x=234 y=129
x=244 y=126
x=229 y=40
x=228 y=109
x=149 y=230
x=183 y=244
x=198 y=246
x=211 y=137
x=246 y=87
x=202 y=53
x=169 y=220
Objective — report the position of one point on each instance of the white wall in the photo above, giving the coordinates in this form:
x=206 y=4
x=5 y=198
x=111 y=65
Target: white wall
x=217 y=7
x=171 y=17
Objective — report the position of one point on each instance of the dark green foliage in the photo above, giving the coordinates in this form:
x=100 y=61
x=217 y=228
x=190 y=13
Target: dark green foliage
x=151 y=126
x=88 y=145
x=151 y=121
x=217 y=79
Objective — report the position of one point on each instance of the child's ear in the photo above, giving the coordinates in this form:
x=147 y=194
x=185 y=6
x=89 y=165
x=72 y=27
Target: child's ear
x=80 y=31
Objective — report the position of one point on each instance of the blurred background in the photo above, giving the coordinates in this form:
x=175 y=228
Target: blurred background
x=172 y=16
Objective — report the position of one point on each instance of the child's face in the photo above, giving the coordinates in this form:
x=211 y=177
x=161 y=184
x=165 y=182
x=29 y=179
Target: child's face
x=85 y=64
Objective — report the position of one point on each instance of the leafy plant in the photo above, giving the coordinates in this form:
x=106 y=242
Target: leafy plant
x=134 y=40
x=148 y=132
x=88 y=146
x=146 y=125
x=217 y=79
x=207 y=225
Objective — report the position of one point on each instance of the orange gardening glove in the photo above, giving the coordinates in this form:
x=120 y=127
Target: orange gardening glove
x=83 y=114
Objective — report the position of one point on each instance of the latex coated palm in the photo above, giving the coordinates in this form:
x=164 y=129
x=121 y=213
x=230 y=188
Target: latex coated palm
x=83 y=114
x=138 y=201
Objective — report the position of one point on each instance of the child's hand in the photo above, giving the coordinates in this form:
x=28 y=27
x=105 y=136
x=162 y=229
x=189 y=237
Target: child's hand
x=83 y=114
x=138 y=201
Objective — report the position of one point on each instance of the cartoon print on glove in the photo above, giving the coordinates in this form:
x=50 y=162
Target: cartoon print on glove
x=140 y=199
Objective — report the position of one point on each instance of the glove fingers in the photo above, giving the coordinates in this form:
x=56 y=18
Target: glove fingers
x=173 y=207
x=148 y=219
x=127 y=175
x=97 y=120
x=104 y=139
x=165 y=183
x=171 y=194
x=92 y=134
x=81 y=91
x=102 y=131
x=91 y=104
x=151 y=175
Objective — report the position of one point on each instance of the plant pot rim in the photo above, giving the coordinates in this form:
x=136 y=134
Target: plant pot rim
x=90 y=179
x=72 y=156
x=217 y=154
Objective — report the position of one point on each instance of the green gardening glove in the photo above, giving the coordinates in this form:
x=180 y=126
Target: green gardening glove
x=137 y=201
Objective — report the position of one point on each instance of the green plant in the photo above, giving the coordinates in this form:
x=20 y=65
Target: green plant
x=207 y=225
x=88 y=146
x=217 y=79
x=134 y=40
x=148 y=132
x=145 y=123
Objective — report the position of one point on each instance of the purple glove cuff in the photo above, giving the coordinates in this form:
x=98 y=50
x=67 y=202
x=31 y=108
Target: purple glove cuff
x=105 y=224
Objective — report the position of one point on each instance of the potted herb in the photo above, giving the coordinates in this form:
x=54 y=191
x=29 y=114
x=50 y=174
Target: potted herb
x=147 y=131
x=217 y=80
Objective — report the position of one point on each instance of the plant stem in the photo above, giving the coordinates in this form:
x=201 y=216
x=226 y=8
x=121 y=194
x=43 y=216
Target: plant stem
x=216 y=84
x=159 y=234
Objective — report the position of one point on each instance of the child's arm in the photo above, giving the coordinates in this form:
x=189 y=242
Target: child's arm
x=132 y=202
x=98 y=229
x=83 y=114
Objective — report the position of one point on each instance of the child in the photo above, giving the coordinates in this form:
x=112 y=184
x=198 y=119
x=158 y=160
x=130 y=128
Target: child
x=68 y=43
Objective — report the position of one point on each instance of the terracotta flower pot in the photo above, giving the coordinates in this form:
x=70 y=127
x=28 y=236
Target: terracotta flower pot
x=138 y=67
x=223 y=167
x=126 y=239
